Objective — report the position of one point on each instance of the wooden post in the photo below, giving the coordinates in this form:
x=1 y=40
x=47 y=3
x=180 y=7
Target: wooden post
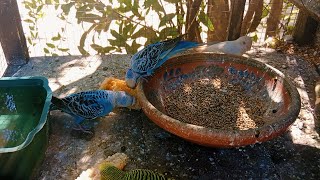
x=218 y=12
x=12 y=39
x=305 y=28
x=273 y=20
x=235 y=20
x=192 y=25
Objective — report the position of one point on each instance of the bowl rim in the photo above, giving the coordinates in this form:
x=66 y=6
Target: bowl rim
x=232 y=138
x=43 y=117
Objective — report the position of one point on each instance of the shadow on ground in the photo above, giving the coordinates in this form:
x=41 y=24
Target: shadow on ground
x=294 y=155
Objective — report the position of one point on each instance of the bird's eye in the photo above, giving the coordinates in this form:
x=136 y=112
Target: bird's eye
x=243 y=42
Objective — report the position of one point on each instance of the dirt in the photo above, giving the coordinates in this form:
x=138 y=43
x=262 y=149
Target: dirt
x=293 y=155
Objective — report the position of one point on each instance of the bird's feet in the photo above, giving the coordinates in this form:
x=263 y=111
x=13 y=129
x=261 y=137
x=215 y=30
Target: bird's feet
x=82 y=129
x=143 y=79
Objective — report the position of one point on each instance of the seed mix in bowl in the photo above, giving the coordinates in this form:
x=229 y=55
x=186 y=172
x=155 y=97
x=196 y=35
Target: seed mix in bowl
x=215 y=103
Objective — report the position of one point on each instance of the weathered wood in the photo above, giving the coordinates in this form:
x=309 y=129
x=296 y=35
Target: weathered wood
x=192 y=24
x=305 y=28
x=12 y=38
x=218 y=13
x=311 y=6
x=257 y=16
x=274 y=18
x=235 y=20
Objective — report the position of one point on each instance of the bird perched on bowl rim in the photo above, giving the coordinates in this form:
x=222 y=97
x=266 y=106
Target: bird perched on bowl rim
x=147 y=60
x=92 y=104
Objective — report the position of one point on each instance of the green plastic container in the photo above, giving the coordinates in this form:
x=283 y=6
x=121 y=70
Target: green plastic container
x=24 y=131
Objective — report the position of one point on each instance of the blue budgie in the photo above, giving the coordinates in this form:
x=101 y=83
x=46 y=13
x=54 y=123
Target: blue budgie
x=92 y=104
x=144 y=62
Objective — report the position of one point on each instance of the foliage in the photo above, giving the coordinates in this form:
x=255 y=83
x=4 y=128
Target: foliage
x=130 y=16
x=35 y=13
x=132 y=31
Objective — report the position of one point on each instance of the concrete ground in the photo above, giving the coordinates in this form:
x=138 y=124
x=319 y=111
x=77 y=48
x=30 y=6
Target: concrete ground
x=294 y=155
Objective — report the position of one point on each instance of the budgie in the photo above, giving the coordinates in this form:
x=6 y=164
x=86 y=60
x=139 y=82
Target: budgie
x=236 y=47
x=144 y=62
x=92 y=104
x=110 y=172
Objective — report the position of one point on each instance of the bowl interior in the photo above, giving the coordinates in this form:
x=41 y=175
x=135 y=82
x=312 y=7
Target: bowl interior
x=21 y=106
x=255 y=79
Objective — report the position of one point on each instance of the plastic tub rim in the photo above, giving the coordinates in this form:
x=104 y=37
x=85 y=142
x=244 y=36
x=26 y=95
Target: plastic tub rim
x=43 y=117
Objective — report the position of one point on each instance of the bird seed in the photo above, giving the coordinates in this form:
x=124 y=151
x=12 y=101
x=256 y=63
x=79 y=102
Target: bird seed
x=215 y=103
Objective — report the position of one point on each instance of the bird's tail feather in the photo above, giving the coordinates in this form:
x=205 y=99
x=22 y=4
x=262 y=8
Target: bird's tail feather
x=58 y=103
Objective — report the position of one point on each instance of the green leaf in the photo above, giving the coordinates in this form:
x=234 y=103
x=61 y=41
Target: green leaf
x=100 y=27
x=133 y=29
x=89 y=18
x=265 y=12
x=29 y=40
x=127 y=29
x=28 y=21
x=128 y=49
x=144 y=32
x=31 y=28
x=255 y=38
x=115 y=43
x=39 y=8
x=108 y=49
x=121 y=27
x=135 y=9
x=63 y=49
x=126 y=2
x=99 y=6
x=54 y=54
x=50 y=45
x=48 y=2
x=206 y=20
x=154 y=4
x=96 y=47
x=46 y=50
x=117 y=35
x=135 y=46
x=82 y=41
x=102 y=50
x=56 y=38
x=31 y=14
x=168 y=31
x=66 y=7
x=166 y=19
x=32 y=35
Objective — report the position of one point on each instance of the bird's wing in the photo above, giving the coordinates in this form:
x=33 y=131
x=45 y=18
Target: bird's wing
x=149 y=57
x=85 y=104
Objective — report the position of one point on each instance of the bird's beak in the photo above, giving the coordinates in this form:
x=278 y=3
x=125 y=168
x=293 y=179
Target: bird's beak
x=131 y=79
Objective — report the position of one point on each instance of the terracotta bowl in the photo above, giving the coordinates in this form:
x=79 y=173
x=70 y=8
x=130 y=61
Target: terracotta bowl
x=258 y=79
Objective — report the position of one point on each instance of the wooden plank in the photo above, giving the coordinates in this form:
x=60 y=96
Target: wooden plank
x=193 y=33
x=12 y=38
x=235 y=20
x=273 y=20
x=305 y=29
x=311 y=6
x=218 y=13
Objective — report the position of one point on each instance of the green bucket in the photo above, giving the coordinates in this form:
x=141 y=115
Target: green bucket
x=24 y=131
